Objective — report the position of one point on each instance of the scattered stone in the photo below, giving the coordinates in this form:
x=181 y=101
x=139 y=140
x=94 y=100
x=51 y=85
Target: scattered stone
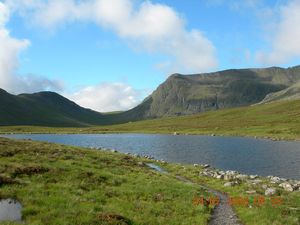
x=220 y=176
x=196 y=165
x=256 y=181
x=229 y=184
x=274 y=180
x=287 y=186
x=242 y=177
x=213 y=135
x=251 y=192
x=175 y=133
x=252 y=177
x=297 y=185
x=270 y=191
x=206 y=166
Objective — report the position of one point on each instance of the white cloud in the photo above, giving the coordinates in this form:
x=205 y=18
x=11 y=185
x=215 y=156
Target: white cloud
x=152 y=27
x=107 y=97
x=9 y=62
x=284 y=37
x=235 y=4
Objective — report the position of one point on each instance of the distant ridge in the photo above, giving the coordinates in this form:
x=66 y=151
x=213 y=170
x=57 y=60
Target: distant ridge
x=178 y=95
x=44 y=109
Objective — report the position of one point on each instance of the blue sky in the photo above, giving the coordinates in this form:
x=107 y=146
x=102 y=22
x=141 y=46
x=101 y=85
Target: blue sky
x=69 y=47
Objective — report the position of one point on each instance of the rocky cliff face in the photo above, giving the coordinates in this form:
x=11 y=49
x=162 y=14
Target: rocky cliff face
x=190 y=94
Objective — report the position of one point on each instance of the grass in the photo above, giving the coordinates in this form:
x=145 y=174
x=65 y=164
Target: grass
x=260 y=214
x=59 y=184
x=278 y=120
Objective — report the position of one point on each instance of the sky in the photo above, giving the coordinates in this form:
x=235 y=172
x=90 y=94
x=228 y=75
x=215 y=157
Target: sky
x=108 y=55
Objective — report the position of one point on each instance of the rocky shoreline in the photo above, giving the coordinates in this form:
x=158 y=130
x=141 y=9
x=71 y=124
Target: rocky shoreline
x=270 y=185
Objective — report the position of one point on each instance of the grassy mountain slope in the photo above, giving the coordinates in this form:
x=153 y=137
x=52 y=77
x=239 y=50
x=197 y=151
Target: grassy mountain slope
x=279 y=120
x=44 y=108
x=290 y=93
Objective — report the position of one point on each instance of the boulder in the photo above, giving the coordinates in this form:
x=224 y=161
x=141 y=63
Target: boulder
x=286 y=186
x=220 y=176
x=252 y=177
x=270 y=191
x=228 y=184
x=275 y=180
x=242 y=176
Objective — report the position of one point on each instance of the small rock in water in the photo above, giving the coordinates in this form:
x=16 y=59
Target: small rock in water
x=270 y=191
x=205 y=166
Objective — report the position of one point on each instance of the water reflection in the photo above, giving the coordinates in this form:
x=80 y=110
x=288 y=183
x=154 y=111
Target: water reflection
x=10 y=210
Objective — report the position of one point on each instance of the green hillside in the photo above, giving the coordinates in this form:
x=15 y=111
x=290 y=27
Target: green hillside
x=279 y=120
x=178 y=95
x=44 y=108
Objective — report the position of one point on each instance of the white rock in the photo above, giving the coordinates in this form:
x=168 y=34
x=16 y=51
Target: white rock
x=253 y=177
x=242 y=176
x=286 y=186
x=229 y=184
x=220 y=176
x=275 y=180
x=270 y=191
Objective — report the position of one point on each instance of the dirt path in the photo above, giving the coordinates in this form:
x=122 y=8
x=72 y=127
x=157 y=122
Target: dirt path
x=223 y=213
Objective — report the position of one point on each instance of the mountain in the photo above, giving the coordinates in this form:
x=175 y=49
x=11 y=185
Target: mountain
x=190 y=94
x=290 y=93
x=178 y=95
x=44 y=109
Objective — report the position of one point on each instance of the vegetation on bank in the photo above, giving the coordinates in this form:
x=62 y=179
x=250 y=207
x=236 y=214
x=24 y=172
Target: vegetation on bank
x=278 y=120
x=281 y=208
x=59 y=184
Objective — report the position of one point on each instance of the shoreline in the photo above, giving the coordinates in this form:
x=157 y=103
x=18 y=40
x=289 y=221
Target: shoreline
x=149 y=157
x=275 y=139
x=71 y=159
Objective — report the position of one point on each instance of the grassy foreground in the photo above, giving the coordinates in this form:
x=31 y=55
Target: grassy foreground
x=278 y=120
x=59 y=184
x=66 y=185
